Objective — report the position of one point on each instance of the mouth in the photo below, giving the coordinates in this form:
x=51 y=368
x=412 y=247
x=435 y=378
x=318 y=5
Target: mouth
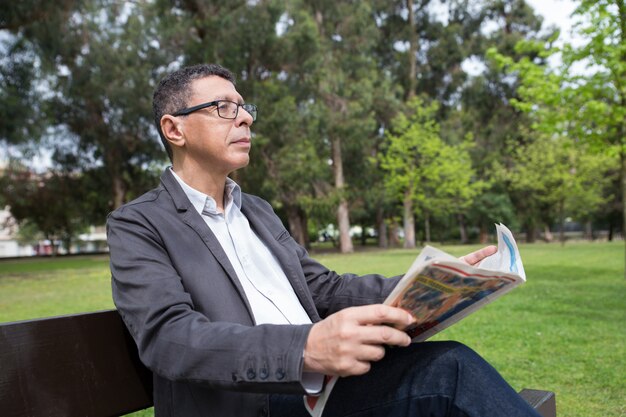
x=242 y=141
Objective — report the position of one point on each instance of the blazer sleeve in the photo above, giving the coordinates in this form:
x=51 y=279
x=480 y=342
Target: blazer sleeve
x=332 y=292
x=178 y=342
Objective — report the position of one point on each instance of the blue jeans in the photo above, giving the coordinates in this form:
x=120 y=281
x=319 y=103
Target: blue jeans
x=428 y=379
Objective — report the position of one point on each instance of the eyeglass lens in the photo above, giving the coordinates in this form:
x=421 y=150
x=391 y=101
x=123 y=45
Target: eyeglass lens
x=229 y=109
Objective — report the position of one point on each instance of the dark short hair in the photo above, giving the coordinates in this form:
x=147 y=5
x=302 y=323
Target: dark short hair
x=174 y=90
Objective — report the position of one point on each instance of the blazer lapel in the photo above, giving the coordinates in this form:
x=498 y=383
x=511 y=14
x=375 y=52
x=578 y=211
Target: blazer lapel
x=286 y=258
x=191 y=217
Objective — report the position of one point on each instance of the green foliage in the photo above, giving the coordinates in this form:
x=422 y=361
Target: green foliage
x=584 y=109
x=95 y=61
x=19 y=107
x=600 y=95
x=329 y=77
x=557 y=179
x=52 y=203
x=437 y=177
x=29 y=233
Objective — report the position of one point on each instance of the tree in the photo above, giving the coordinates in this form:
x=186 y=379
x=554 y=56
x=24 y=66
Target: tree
x=53 y=203
x=428 y=176
x=288 y=165
x=598 y=99
x=346 y=85
x=20 y=70
x=273 y=47
x=424 y=51
x=592 y=174
x=488 y=112
x=588 y=106
x=95 y=61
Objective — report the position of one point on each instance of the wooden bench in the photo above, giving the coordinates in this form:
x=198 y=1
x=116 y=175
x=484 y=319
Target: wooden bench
x=87 y=365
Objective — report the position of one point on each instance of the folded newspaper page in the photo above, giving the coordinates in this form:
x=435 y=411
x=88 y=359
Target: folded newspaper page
x=440 y=289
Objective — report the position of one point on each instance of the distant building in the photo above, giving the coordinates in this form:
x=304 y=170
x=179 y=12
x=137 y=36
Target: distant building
x=9 y=246
x=94 y=240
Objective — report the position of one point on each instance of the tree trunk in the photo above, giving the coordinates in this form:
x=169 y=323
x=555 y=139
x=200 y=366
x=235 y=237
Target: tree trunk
x=363 y=235
x=345 y=242
x=413 y=40
x=119 y=191
x=623 y=180
x=588 y=230
x=483 y=236
x=381 y=226
x=343 y=213
x=409 y=216
x=67 y=245
x=530 y=232
x=409 y=222
x=394 y=240
x=54 y=249
x=427 y=227
x=547 y=233
x=562 y=224
x=294 y=218
x=621 y=8
x=462 y=228
x=304 y=225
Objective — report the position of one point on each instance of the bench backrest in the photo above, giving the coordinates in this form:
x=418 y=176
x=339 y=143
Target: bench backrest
x=79 y=365
x=87 y=365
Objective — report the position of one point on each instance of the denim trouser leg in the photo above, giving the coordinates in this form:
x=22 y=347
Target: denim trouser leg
x=425 y=379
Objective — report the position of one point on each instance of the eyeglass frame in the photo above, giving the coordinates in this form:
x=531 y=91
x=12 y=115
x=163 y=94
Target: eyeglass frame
x=252 y=111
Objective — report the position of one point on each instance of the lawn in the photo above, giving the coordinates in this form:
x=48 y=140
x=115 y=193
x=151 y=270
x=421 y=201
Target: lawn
x=564 y=330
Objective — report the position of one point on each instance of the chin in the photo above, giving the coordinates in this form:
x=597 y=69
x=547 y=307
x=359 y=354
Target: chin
x=243 y=163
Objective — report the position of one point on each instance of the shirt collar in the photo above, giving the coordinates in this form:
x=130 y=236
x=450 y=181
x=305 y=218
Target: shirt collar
x=200 y=201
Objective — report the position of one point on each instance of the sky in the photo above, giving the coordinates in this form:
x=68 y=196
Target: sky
x=557 y=13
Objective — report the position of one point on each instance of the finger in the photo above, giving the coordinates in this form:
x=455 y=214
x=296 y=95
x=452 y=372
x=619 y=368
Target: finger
x=381 y=314
x=475 y=257
x=358 y=368
x=383 y=335
x=370 y=353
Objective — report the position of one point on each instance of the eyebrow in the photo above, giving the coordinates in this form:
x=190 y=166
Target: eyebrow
x=236 y=100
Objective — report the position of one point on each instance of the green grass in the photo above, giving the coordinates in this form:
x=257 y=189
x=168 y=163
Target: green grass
x=53 y=286
x=564 y=330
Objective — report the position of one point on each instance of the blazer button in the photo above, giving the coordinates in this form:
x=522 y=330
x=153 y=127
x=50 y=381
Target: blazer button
x=251 y=374
x=264 y=373
x=280 y=373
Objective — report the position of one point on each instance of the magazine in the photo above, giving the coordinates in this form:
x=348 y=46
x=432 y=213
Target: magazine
x=440 y=289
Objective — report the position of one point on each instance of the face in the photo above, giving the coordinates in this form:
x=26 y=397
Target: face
x=212 y=143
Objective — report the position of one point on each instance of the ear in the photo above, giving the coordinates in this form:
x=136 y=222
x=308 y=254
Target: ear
x=172 y=128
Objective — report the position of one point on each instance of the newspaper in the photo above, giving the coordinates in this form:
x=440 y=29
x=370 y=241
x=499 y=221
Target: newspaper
x=440 y=289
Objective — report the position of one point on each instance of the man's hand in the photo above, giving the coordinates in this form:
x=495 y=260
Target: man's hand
x=346 y=342
x=475 y=257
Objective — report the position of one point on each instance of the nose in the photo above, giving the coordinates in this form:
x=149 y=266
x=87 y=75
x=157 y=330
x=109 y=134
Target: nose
x=243 y=117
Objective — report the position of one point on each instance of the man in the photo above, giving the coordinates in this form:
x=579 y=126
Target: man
x=231 y=314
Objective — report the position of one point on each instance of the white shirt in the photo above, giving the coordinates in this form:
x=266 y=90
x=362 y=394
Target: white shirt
x=267 y=288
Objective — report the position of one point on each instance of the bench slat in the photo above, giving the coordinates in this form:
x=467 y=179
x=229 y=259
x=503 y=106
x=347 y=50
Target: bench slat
x=542 y=401
x=79 y=365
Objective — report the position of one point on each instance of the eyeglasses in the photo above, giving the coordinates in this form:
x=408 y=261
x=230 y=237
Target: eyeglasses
x=226 y=109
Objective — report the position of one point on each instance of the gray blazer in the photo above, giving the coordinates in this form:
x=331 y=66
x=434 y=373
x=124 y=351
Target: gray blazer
x=183 y=304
